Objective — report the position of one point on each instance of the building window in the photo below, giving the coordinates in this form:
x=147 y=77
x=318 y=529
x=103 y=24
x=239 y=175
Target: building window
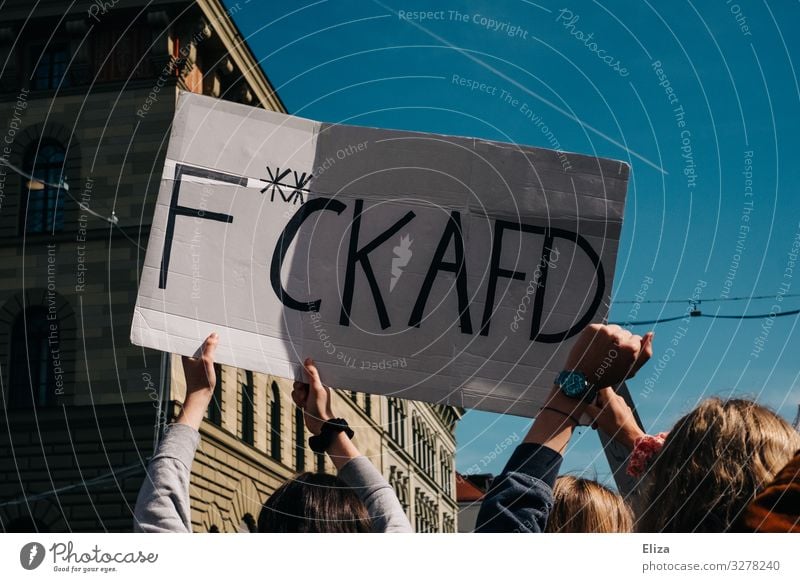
x=415 y=438
x=397 y=421
x=215 y=407
x=354 y=396
x=248 y=418
x=448 y=524
x=51 y=62
x=399 y=483
x=35 y=351
x=299 y=441
x=44 y=200
x=446 y=467
x=275 y=423
x=320 y=462
x=431 y=450
x=426 y=513
x=423 y=445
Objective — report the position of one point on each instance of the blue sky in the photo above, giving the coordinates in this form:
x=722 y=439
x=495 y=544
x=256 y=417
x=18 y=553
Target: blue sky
x=602 y=83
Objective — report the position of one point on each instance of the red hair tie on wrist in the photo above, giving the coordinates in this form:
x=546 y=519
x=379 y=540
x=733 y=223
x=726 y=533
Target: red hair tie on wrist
x=644 y=449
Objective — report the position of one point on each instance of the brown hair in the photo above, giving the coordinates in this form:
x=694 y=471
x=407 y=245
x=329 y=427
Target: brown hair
x=314 y=503
x=713 y=463
x=586 y=506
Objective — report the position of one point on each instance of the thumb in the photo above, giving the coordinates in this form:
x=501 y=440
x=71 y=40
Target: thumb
x=647 y=344
x=313 y=374
x=210 y=347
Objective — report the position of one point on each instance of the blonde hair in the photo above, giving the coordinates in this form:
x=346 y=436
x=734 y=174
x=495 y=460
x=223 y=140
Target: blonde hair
x=586 y=506
x=713 y=463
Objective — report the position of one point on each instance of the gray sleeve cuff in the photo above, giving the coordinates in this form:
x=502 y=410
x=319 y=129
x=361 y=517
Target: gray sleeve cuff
x=179 y=442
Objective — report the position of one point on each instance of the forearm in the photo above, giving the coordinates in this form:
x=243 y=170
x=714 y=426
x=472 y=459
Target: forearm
x=521 y=497
x=360 y=474
x=556 y=421
x=194 y=410
x=342 y=450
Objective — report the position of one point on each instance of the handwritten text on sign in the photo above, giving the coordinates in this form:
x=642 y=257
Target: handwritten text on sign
x=436 y=268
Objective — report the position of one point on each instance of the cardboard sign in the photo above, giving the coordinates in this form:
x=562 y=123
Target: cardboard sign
x=444 y=269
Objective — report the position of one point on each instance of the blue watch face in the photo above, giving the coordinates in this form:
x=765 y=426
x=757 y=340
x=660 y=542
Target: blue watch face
x=572 y=384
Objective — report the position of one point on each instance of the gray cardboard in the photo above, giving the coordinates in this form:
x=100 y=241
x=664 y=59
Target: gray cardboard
x=260 y=168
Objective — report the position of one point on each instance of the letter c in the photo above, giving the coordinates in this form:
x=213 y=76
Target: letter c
x=282 y=247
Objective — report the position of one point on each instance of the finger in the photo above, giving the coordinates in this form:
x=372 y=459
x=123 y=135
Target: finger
x=621 y=337
x=646 y=351
x=300 y=394
x=647 y=343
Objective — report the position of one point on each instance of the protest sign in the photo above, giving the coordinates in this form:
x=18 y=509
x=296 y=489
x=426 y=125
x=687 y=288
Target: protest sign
x=444 y=269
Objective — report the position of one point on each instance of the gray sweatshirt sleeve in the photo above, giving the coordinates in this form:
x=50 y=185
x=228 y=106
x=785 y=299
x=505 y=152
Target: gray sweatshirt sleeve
x=163 y=502
x=385 y=510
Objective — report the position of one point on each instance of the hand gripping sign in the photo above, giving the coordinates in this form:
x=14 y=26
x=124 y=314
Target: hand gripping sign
x=444 y=269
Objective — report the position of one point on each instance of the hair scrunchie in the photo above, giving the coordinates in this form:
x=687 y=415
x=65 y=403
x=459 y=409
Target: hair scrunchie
x=644 y=448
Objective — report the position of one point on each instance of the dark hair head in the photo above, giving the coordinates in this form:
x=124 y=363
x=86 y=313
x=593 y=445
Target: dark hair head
x=314 y=503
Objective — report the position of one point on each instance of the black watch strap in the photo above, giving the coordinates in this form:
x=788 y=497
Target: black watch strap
x=332 y=427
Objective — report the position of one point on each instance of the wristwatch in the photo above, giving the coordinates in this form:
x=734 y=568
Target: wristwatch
x=330 y=428
x=573 y=384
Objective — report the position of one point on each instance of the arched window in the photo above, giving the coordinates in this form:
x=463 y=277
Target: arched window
x=415 y=438
x=446 y=468
x=215 y=407
x=34 y=356
x=401 y=422
x=275 y=423
x=391 y=407
x=299 y=441
x=248 y=418
x=44 y=200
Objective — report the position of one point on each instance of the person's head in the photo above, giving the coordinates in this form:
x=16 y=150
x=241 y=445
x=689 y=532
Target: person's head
x=713 y=463
x=586 y=506
x=314 y=503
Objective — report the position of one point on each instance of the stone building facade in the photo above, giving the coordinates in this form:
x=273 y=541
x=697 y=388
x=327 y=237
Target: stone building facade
x=86 y=101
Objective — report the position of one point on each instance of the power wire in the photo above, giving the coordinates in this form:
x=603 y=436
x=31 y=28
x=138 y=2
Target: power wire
x=699 y=301
x=708 y=316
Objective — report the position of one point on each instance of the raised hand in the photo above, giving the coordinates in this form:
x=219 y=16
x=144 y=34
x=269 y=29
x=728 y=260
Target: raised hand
x=607 y=354
x=200 y=381
x=314 y=398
